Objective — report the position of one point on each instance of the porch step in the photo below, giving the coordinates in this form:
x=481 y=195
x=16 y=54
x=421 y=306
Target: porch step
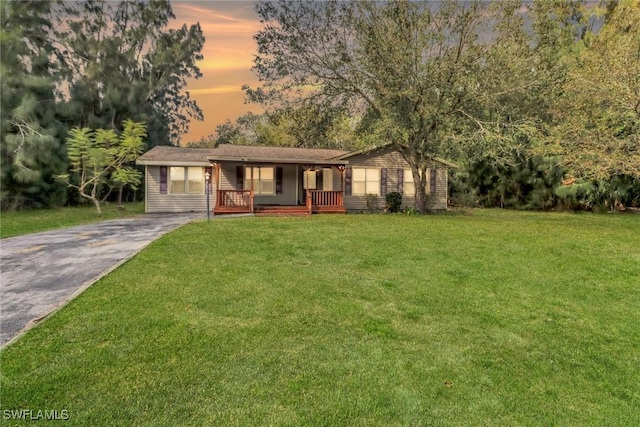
x=329 y=209
x=281 y=210
x=230 y=210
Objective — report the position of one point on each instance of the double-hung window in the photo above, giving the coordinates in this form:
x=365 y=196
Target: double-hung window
x=365 y=181
x=186 y=180
x=263 y=179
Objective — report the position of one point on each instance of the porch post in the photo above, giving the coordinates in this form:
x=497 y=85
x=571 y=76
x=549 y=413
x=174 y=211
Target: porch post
x=217 y=166
x=251 y=194
x=218 y=202
x=297 y=184
x=341 y=168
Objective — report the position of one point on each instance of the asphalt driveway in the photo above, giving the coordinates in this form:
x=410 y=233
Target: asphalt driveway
x=41 y=272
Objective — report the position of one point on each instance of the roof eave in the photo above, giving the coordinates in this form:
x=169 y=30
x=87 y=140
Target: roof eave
x=143 y=162
x=387 y=145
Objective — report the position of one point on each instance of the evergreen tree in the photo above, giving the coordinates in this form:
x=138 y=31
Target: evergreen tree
x=32 y=151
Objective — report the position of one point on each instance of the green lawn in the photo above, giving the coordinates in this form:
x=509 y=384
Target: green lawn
x=493 y=318
x=33 y=221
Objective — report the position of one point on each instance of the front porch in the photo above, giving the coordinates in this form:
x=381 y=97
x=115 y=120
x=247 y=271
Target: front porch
x=243 y=201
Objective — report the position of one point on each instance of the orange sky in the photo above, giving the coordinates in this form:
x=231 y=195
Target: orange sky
x=228 y=27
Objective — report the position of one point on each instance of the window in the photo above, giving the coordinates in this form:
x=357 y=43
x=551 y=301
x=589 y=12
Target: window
x=365 y=181
x=327 y=179
x=263 y=179
x=176 y=185
x=309 y=182
x=185 y=180
x=195 y=185
x=409 y=187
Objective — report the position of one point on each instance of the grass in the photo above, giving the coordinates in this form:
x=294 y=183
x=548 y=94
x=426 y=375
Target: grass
x=493 y=318
x=33 y=221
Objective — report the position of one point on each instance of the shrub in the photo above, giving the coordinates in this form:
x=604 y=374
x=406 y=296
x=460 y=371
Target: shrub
x=394 y=200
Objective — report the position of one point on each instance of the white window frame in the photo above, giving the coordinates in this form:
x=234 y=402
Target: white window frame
x=187 y=178
x=259 y=183
x=371 y=181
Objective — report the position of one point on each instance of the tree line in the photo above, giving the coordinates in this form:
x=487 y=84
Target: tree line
x=90 y=64
x=537 y=101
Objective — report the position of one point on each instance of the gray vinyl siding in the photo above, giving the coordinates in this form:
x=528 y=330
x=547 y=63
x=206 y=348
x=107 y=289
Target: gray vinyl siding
x=392 y=160
x=159 y=203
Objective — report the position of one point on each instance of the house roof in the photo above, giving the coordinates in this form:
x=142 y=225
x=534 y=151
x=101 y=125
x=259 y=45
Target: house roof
x=169 y=155
x=185 y=156
x=176 y=156
x=348 y=154
x=261 y=153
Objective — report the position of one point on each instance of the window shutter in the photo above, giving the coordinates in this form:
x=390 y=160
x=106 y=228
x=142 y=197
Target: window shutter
x=278 y=180
x=383 y=182
x=400 y=181
x=209 y=170
x=347 y=181
x=163 y=180
x=432 y=181
x=239 y=177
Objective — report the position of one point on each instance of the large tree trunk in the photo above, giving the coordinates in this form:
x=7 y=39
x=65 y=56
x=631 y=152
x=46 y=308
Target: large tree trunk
x=420 y=182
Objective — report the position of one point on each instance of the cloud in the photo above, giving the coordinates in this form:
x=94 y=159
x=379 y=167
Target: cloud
x=228 y=27
x=216 y=90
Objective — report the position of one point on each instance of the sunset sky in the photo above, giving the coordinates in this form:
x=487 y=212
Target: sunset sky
x=228 y=27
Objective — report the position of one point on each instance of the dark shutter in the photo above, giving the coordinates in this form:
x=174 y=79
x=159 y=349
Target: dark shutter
x=163 y=180
x=347 y=181
x=432 y=181
x=239 y=177
x=383 y=182
x=401 y=181
x=278 y=180
x=209 y=170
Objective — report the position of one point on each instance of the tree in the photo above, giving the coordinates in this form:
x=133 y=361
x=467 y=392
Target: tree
x=31 y=133
x=120 y=60
x=293 y=126
x=417 y=72
x=598 y=114
x=98 y=155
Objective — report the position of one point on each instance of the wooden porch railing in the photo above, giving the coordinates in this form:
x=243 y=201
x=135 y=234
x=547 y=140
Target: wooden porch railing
x=235 y=199
x=326 y=198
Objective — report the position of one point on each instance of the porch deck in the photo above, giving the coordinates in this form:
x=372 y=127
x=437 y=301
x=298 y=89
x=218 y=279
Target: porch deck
x=242 y=201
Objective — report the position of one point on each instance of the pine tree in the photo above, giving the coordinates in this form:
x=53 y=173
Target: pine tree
x=32 y=151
